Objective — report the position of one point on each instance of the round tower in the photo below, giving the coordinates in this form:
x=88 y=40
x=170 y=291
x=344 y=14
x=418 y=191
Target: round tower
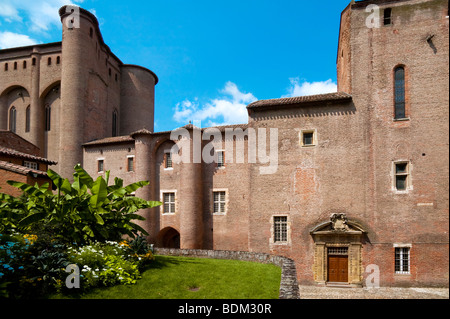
x=191 y=197
x=137 y=99
x=78 y=56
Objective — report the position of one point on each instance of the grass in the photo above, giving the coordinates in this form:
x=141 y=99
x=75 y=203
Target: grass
x=191 y=278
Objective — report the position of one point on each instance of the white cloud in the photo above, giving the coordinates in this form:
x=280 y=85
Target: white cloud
x=310 y=88
x=230 y=108
x=12 y=40
x=40 y=16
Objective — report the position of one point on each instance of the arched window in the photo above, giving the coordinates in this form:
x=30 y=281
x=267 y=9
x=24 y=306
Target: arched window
x=399 y=91
x=114 y=123
x=48 y=117
x=27 y=119
x=12 y=119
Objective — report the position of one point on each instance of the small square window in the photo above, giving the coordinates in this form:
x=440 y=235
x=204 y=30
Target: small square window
x=100 y=166
x=308 y=138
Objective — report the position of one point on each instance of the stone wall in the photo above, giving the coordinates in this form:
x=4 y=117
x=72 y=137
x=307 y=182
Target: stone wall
x=289 y=285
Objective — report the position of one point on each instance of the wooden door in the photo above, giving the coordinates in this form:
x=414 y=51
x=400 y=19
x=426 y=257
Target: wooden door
x=338 y=269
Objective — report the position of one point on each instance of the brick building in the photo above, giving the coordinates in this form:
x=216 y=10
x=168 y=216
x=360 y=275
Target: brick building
x=360 y=178
x=20 y=162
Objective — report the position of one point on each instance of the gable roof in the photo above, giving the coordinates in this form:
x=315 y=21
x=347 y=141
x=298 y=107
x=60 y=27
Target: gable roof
x=14 y=153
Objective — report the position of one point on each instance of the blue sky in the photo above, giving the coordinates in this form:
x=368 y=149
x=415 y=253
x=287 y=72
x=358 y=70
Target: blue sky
x=212 y=57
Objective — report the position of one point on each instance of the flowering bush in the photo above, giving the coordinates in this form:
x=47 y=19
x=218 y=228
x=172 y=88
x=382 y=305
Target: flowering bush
x=32 y=268
x=108 y=264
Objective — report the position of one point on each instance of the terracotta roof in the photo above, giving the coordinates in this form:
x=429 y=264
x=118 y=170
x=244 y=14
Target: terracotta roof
x=14 y=153
x=111 y=140
x=20 y=169
x=329 y=97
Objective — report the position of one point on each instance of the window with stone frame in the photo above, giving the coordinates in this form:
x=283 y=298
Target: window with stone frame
x=308 y=138
x=168 y=164
x=402 y=176
x=168 y=203
x=220 y=159
x=402 y=260
x=130 y=164
x=100 y=166
x=219 y=199
x=280 y=229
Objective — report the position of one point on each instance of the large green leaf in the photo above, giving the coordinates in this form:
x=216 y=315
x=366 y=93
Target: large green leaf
x=99 y=193
x=83 y=176
x=135 y=186
x=32 y=218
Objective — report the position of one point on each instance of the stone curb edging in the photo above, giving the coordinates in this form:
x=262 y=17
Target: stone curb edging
x=288 y=287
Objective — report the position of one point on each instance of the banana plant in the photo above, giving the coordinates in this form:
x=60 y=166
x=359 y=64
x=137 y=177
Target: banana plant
x=80 y=212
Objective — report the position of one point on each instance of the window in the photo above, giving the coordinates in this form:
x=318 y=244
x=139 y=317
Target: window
x=32 y=165
x=402 y=176
x=49 y=61
x=220 y=159
x=6 y=66
x=387 y=16
x=58 y=60
x=130 y=164
x=27 y=119
x=24 y=64
x=280 y=229
x=12 y=119
x=100 y=166
x=308 y=138
x=219 y=202
x=399 y=92
x=402 y=260
x=33 y=62
x=114 y=124
x=48 y=117
x=168 y=164
x=15 y=65
x=169 y=203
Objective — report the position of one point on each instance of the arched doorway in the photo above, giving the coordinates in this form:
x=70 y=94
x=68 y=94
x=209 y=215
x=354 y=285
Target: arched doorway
x=168 y=238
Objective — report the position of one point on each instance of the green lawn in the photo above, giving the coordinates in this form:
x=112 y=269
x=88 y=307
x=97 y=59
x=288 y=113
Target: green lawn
x=191 y=278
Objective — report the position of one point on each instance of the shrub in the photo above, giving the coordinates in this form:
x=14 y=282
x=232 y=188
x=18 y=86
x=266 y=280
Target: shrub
x=105 y=264
x=82 y=212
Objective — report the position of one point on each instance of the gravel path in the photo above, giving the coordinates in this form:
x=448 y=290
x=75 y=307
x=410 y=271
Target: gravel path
x=311 y=292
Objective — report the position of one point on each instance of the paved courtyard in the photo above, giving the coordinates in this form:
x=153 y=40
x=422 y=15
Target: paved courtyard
x=312 y=292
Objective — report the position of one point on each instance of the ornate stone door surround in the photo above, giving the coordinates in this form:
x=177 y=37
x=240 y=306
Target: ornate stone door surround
x=339 y=231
